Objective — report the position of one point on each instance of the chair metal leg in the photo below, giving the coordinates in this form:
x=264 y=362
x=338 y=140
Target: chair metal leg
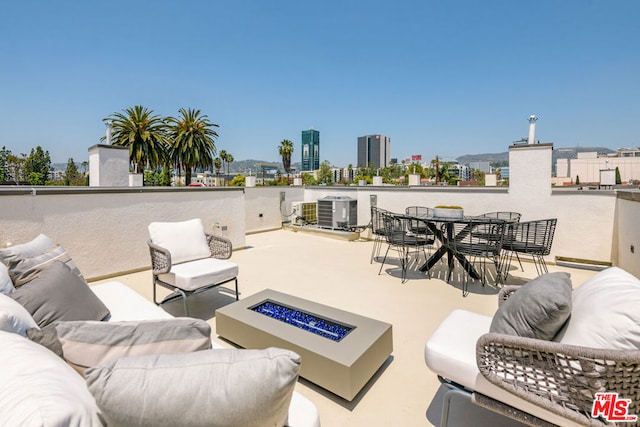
x=384 y=259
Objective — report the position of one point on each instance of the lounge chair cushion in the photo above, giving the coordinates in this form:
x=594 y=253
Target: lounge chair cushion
x=185 y=240
x=59 y=294
x=605 y=312
x=40 y=389
x=83 y=344
x=14 y=317
x=6 y=285
x=537 y=310
x=196 y=274
x=204 y=388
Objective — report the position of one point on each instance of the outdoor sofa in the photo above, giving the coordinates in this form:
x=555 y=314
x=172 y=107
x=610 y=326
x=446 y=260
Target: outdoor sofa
x=152 y=369
x=548 y=353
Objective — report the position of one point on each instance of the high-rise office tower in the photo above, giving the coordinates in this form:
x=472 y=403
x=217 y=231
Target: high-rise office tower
x=374 y=151
x=310 y=150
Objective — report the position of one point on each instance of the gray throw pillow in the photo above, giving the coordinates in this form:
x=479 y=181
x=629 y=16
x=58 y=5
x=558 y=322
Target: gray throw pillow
x=23 y=270
x=206 y=388
x=537 y=310
x=59 y=294
x=83 y=344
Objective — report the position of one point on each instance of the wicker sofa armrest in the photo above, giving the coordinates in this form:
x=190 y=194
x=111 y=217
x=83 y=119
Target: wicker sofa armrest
x=160 y=258
x=561 y=378
x=220 y=247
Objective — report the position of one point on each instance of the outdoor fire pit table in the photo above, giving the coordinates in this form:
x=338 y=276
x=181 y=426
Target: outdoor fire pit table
x=340 y=351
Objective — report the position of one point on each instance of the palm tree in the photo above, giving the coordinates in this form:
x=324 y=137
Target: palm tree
x=286 y=149
x=223 y=156
x=143 y=132
x=229 y=161
x=191 y=141
x=217 y=164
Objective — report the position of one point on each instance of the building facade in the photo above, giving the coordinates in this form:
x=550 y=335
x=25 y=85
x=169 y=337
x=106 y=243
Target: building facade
x=589 y=166
x=310 y=150
x=374 y=151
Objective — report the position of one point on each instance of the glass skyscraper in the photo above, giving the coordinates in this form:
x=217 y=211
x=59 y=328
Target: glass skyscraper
x=310 y=150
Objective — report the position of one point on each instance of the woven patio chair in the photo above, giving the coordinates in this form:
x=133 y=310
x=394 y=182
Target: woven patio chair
x=186 y=260
x=560 y=378
x=532 y=238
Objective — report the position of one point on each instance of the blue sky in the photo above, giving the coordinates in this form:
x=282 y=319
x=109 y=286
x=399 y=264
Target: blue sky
x=440 y=78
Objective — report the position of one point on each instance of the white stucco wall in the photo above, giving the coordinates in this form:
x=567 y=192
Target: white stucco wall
x=105 y=232
x=627 y=232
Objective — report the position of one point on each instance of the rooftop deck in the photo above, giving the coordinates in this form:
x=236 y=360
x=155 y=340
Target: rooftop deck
x=338 y=273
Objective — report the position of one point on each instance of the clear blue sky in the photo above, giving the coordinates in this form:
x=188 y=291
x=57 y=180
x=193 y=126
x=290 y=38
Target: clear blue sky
x=439 y=77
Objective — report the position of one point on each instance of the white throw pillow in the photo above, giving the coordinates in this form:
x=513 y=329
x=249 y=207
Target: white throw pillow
x=6 y=285
x=37 y=388
x=14 y=317
x=35 y=247
x=605 y=312
x=186 y=240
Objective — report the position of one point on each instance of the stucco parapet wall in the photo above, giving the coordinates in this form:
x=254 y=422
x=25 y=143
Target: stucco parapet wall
x=414 y=188
x=531 y=146
x=116 y=147
x=52 y=190
x=632 y=195
x=575 y=191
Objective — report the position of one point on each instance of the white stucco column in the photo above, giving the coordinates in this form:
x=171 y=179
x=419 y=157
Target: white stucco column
x=108 y=166
x=530 y=172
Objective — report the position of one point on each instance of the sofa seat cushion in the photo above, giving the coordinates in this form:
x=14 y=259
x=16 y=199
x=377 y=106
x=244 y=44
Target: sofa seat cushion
x=185 y=240
x=126 y=304
x=450 y=353
x=204 y=388
x=193 y=275
x=38 y=389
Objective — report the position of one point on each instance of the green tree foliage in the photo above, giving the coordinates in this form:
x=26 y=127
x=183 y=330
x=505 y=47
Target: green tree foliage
x=166 y=176
x=37 y=166
x=191 y=140
x=238 y=181
x=308 y=179
x=4 y=165
x=324 y=175
x=153 y=178
x=577 y=179
x=217 y=165
x=144 y=133
x=286 y=150
x=618 y=178
x=72 y=175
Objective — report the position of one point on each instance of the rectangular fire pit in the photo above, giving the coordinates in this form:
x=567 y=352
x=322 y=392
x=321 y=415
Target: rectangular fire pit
x=340 y=351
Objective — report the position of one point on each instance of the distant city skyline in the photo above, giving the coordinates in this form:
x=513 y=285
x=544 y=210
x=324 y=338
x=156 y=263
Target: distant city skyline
x=440 y=78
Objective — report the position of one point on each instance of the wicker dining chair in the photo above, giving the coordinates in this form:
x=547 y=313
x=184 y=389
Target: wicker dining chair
x=532 y=238
x=401 y=238
x=505 y=215
x=476 y=241
x=377 y=229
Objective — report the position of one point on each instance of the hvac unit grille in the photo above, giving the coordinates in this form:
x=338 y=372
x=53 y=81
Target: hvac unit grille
x=337 y=212
x=303 y=213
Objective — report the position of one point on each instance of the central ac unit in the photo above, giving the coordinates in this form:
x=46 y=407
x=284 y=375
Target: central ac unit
x=337 y=212
x=303 y=213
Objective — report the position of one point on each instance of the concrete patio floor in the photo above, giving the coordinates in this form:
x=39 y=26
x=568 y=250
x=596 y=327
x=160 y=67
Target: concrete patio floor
x=338 y=273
